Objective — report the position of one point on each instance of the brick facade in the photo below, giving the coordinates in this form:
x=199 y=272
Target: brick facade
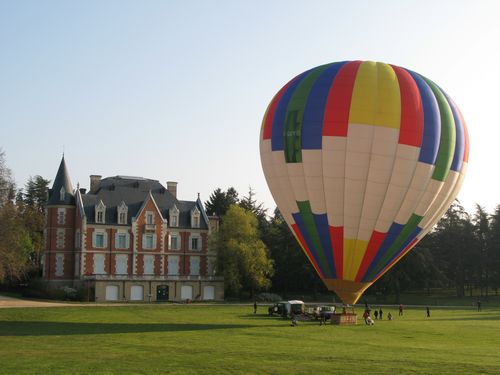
x=82 y=250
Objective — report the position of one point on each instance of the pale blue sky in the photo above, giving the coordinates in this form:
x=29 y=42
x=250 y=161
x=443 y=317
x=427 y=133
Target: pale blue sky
x=176 y=90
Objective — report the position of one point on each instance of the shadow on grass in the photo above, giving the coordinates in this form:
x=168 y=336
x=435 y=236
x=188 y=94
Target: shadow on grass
x=31 y=328
x=478 y=317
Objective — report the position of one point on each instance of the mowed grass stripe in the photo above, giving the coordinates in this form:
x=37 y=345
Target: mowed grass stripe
x=166 y=339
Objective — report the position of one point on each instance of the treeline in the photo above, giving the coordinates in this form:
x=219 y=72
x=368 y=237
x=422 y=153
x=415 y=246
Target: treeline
x=461 y=253
x=257 y=252
x=21 y=226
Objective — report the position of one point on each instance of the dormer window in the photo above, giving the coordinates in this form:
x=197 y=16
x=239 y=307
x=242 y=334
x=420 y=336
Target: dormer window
x=149 y=218
x=122 y=213
x=100 y=212
x=195 y=218
x=62 y=193
x=174 y=216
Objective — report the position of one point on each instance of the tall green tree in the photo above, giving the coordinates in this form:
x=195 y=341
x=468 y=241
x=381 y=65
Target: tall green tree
x=494 y=250
x=15 y=245
x=15 y=242
x=249 y=203
x=219 y=201
x=293 y=271
x=480 y=256
x=31 y=208
x=7 y=186
x=35 y=195
x=242 y=258
x=454 y=244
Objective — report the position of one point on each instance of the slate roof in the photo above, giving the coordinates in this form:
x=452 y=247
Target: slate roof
x=134 y=191
x=62 y=180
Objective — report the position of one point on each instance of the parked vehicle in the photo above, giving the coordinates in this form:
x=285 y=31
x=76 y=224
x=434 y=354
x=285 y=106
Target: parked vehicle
x=323 y=312
x=286 y=308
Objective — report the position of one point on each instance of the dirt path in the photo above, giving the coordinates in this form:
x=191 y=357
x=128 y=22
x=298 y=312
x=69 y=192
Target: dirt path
x=9 y=302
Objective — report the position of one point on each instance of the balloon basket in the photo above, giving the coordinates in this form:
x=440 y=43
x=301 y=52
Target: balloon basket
x=345 y=319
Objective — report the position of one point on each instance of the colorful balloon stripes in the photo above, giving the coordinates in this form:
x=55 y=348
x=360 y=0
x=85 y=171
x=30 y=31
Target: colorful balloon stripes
x=362 y=159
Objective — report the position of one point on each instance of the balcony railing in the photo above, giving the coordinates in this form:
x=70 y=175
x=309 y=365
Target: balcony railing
x=154 y=277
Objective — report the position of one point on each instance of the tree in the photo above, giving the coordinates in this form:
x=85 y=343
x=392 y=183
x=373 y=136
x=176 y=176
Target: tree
x=15 y=242
x=220 y=201
x=481 y=222
x=36 y=193
x=242 y=257
x=453 y=244
x=31 y=207
x=249 y=203
x=293 y=271
x=494 y=250
x=7 y=186
x=15 y=245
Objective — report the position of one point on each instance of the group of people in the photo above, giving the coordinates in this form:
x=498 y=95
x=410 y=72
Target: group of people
x=378 y=314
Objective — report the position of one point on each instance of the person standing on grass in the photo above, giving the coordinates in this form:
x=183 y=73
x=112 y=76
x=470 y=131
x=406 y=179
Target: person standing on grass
x=294 y=320
x=401 y=310
x=255 y=307
x=478 y=305
x=380 y=312
x=376 y=314
x=428 y=312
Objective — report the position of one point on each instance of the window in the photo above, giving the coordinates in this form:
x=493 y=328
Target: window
x=195 y=217
x=174 y=216
x=121 y=241
x=149 y=241
x=122 y=218
x=173 y=264
x=194 y=243
x=121 y=264
x=149 y=218
x=174 y=242
x=59 y=265
x=122 y=213
x=98 y=264
x=194 y=265
x=211 y=266
x=62 y=193
x=100 y=211
x=99 y=239
x=149 y=261
x=61 y=216
x=60 y=238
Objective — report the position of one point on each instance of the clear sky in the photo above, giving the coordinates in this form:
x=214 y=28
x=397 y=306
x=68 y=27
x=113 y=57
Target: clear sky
x=176 y=90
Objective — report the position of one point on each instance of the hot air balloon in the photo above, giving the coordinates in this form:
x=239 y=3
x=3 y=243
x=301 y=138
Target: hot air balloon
x=362 y=159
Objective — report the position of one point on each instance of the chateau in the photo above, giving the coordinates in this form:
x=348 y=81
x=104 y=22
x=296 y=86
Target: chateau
x=129 y=239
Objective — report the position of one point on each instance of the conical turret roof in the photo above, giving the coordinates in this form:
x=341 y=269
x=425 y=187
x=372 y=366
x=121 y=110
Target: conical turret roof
x=61 y=182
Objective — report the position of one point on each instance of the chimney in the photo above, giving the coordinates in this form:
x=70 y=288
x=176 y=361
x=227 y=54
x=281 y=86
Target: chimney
x=94 y=181
x=83 y=191
x=172 y=188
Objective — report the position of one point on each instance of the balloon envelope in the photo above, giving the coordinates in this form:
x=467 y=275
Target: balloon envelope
x=362 y=159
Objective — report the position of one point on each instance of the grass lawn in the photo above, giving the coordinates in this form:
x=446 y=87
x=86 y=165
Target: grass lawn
x=220 y=339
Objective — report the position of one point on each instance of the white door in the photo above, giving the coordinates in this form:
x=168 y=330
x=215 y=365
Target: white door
x=137 y=293
x=209 y=292
x=187 y=292
x=111 y=292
